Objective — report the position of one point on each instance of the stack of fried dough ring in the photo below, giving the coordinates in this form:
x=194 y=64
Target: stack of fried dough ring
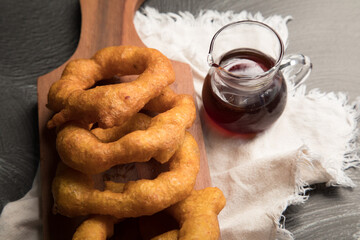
x=125 y=135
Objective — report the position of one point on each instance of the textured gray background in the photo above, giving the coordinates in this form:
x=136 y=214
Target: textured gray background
x=39 y=35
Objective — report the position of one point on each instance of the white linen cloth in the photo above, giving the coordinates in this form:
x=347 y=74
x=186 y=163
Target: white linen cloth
x=312 y=142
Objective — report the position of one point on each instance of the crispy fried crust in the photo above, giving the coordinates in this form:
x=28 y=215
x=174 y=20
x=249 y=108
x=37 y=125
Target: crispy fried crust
x=197 y=214
x=109 y=105
x=158 y=138
x=99 y=227
x=74 y=192
x=95 y=228
x=170 y=235
x=126 y=136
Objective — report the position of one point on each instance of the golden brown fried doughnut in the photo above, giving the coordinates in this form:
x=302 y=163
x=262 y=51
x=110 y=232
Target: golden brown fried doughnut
x=109 y=105
x=170 y=235
x=96 y=151
x=99 y=227
x=95 y=228
x=75 y=195
x=197 y=215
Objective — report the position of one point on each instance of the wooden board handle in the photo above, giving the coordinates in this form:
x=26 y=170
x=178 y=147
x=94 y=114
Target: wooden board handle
x=130 y=36
x=107 y=23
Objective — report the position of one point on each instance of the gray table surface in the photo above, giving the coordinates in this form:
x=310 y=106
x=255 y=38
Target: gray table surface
x=37 y=36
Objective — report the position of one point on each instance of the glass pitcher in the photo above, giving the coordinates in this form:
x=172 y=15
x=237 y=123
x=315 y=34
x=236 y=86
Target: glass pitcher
x=245 y=91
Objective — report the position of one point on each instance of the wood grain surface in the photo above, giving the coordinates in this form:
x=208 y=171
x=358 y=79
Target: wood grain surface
x=37 y=36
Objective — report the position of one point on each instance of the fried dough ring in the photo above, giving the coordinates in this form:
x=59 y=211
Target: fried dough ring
x=95 y=228
x=111 y=105
x=75 y=195
x=159 y=138
x=170 y=235
x=99 y=226
x=197 y=215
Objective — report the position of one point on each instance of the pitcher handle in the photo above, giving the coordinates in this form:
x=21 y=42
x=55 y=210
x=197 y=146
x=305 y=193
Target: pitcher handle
x=296 y=68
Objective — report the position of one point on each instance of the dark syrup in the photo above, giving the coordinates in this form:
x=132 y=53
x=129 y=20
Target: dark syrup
x=261 y=112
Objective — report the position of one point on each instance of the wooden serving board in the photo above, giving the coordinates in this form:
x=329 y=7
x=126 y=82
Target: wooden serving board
x=104 y=23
